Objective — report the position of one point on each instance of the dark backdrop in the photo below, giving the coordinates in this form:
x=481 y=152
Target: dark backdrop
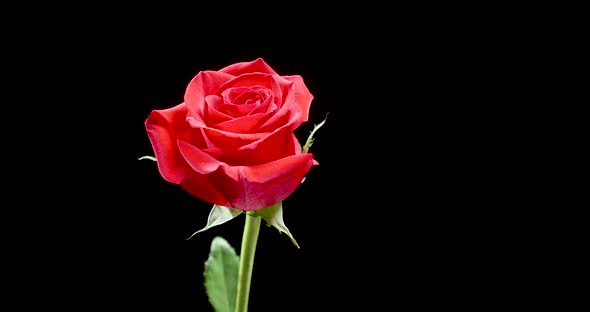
x=453 y=165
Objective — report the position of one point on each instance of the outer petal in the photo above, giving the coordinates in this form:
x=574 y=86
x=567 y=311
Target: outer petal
x=272 y=146
x=164 y=127
x=303 y=97
x=200 y=187
x=197 y=159
x=267 y=184
x=243 y=187
x=273 y=170
x=258 y=65
x=204 y=183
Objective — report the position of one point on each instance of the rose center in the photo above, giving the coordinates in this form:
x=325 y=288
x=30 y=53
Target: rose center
x=241 y=101
x=241 y=96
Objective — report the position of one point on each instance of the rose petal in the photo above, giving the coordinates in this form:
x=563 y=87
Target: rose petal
x=235 y=111
x=268 y=184
x=296 y=145
x=277 y=119
x=164 y=127
x=213 y=100
x=258 y=65
x=267 y=106
x=199 y=186
x=216 y=115
x=231 y=140
x=202 y=85
x=240 y=101
x=238 y=95
x=270 y=147
x=197 y=159
x=267 y=172
x=250 y=149
x=285 y=85
x=243 y=187
x=254 y=79
x=245 y=124
x=303 y=97
x=213 y=112
x=288 y=108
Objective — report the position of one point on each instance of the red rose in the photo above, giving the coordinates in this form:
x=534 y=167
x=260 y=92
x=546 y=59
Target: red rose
x=231 y=142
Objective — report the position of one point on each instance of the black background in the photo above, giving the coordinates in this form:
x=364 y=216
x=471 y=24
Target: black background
x=453 y=165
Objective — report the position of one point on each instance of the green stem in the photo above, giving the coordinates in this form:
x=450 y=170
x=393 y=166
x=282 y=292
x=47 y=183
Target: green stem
x=249 y=239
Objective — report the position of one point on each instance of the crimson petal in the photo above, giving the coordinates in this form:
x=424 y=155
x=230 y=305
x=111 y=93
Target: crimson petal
x=303 y=97
x=199 y=186
x=267 y=184
x=163 y=128
x=258 y=65
x=203 y=84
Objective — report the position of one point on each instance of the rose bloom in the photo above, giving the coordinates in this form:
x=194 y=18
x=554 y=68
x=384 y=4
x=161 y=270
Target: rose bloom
x=231 y=142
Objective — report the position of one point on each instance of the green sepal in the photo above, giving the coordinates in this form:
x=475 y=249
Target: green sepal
x=217 y=216
x=221 y=275
x=273 y=215
x=147 y=157
x=310 y=138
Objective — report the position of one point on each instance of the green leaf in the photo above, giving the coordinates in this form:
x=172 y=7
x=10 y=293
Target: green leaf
x=147 y=157
x=217 y=216
x=273 y=215
x=310 y=138
x=221 y=275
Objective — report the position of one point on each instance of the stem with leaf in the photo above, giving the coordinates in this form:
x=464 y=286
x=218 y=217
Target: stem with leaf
x=249 y=240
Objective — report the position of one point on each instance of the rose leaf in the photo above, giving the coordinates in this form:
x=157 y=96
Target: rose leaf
x=221 y=275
